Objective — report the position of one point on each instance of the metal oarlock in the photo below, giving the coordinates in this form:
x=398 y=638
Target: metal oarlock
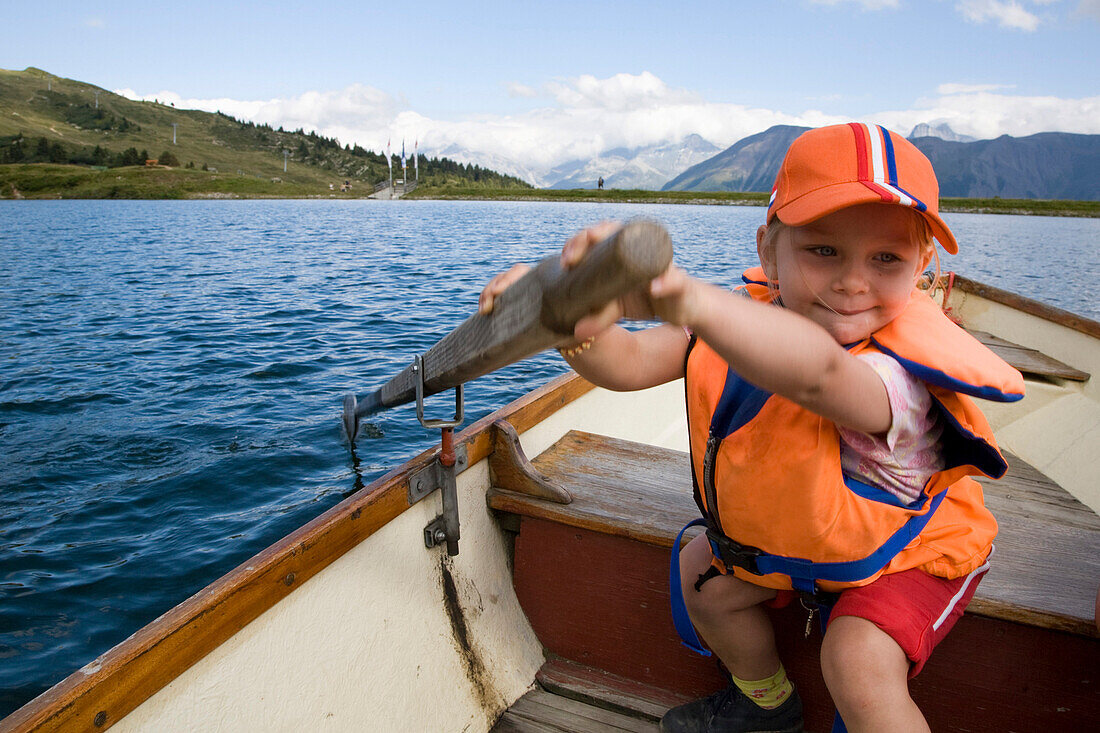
x=441 y=473
x=418 y=369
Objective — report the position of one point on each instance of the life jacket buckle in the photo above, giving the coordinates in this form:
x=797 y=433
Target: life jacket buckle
x=734 y=554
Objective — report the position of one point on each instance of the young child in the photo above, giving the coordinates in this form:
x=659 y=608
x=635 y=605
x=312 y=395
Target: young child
x=831 y=434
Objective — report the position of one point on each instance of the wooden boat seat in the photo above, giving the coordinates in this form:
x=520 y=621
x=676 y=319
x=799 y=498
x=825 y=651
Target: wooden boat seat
x=1044 y=571
x=592 y=576
x=1029 y=361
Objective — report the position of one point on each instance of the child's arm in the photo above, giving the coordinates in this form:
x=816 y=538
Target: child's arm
x=624 y=360
x=777 y=350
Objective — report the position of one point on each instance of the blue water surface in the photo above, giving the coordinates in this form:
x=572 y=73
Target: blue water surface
x=173 y=372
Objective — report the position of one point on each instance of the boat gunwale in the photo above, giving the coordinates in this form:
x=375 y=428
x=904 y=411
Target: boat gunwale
x=97 y=695
x=1026 y=305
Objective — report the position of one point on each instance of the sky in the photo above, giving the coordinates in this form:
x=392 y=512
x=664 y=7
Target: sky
x=542 y=82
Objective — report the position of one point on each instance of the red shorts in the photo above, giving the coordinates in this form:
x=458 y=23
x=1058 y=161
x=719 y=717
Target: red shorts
x=916 y=609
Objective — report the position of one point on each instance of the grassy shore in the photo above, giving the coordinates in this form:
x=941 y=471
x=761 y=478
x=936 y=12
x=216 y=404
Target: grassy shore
x=1033 y=207
x=48 y=181
x=614 y=196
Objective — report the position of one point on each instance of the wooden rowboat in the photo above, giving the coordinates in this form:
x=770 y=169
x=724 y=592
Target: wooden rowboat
x=554 y=615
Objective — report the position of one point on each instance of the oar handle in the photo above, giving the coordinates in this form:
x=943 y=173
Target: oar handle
x=640 y=251
x=536 y=312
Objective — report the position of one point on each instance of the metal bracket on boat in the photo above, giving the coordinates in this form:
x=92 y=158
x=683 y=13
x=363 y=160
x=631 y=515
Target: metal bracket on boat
x=418 y=370
x=440 y=473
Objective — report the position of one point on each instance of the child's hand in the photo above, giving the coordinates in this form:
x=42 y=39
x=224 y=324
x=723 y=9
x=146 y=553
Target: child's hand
x=634 y=305
x=666 y=298
x=670 y=297
x=674 y=296
x=498 y=285
x=572 y=253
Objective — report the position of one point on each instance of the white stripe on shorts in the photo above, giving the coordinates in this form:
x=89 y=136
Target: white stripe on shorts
x=955 y=598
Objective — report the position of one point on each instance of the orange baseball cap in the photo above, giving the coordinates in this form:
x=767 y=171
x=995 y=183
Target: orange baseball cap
x=831 y=168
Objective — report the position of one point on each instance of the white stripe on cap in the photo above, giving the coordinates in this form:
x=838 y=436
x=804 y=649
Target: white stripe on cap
x=878 y=167
x=878 y=164
x=905 y=200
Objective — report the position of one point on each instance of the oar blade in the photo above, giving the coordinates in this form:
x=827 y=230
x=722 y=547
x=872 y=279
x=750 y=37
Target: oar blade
x=351 y=420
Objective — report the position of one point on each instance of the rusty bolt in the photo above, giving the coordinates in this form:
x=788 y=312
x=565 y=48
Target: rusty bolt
x=289 y=579
x=100 y=718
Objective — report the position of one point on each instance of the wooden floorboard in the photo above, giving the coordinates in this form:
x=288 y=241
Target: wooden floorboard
x=606 y=690
x=1028 y=360
x=540 y=711
x=1044 y=567
x=1043 y=572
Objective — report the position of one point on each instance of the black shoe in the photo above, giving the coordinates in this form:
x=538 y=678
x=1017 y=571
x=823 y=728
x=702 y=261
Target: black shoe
x=730 y=711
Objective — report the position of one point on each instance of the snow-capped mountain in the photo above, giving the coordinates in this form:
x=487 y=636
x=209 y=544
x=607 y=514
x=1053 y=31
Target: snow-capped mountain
x=647 y=167
x=943 y=131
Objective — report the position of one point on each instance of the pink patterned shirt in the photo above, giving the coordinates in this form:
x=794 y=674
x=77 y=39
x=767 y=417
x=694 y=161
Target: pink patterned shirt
x=902 y=461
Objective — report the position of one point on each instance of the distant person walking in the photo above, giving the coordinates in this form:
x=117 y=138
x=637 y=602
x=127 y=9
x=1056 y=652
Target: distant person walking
x=599 y=183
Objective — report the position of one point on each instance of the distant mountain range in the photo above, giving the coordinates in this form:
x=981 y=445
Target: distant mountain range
x=50 y=119
x=1048 y=165
x=646 y=167
x=748 y=165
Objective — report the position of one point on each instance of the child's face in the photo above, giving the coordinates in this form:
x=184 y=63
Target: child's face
x=850 y=272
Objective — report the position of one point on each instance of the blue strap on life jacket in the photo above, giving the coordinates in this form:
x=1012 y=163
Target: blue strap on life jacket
x=804 y=574
x=680 y=616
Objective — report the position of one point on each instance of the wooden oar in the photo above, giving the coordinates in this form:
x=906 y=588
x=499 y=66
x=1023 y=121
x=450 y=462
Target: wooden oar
x=538 y=311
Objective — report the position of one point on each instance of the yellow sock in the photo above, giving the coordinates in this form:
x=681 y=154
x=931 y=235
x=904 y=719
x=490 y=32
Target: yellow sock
x=768 y=693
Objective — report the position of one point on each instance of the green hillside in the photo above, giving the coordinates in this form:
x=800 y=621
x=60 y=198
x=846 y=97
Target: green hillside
x=58 y=139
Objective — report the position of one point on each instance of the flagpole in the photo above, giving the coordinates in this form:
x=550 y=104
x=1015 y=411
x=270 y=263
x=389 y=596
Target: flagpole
x=389 y=165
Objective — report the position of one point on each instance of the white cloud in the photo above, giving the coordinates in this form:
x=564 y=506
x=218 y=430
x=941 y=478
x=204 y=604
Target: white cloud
x=587 y=115
x=1007 y=13
x=970 y=88
x=515 y=89
x=619 y=92
x=987 y=115
x=350 y=114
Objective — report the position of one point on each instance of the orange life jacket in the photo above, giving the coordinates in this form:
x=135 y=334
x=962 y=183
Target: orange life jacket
x=779 y=510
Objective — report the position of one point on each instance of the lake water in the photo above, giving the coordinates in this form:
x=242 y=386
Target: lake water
x=173 y=374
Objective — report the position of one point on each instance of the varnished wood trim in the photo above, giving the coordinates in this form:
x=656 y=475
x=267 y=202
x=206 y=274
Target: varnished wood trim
x=1029 y=306
x=104 y=691
x=521 y=504
x=510 y=469
x=1030 y=617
